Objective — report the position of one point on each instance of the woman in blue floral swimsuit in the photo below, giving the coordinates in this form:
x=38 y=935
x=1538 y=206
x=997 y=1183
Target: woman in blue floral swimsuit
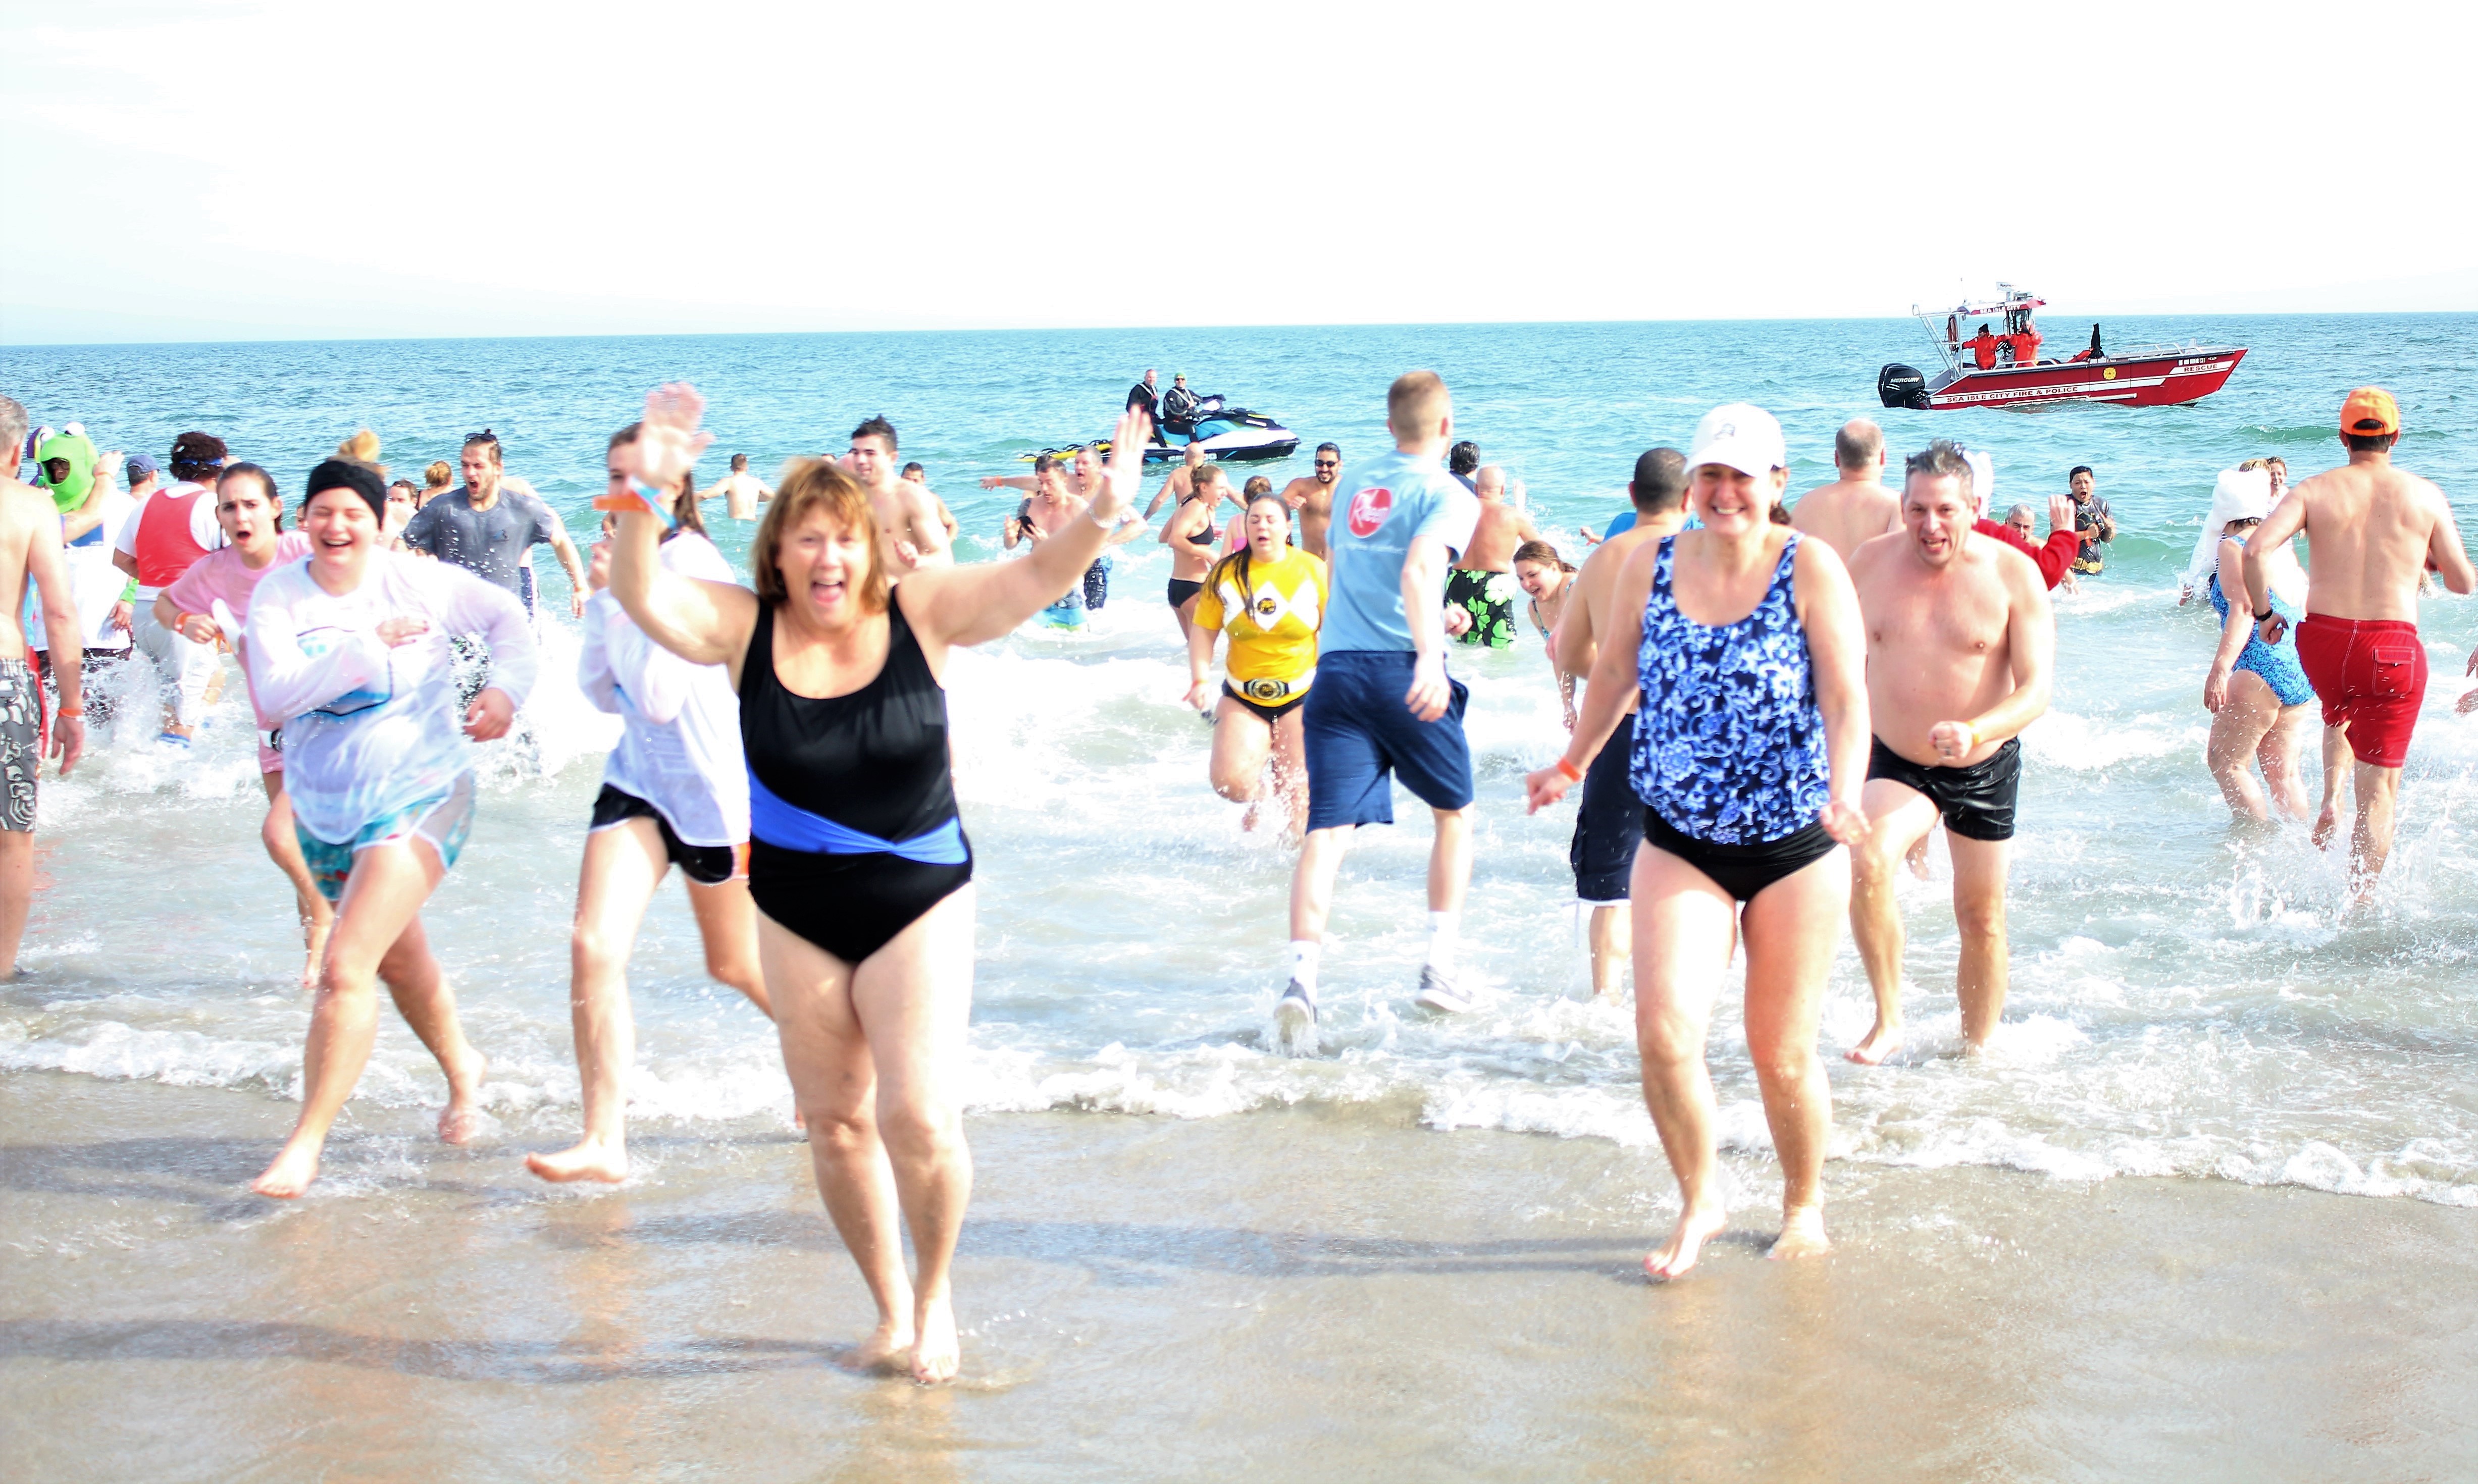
x=1751 y=749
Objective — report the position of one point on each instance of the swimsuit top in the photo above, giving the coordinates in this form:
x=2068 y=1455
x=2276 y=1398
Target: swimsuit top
x=1208 y=536
x=874 y=761
x=1728 y=746
x=2279 y=605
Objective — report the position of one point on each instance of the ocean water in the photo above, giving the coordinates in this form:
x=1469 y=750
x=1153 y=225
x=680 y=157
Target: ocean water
x=2186 y=1001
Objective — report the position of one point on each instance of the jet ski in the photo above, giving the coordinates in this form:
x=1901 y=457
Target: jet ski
x=1230 y=435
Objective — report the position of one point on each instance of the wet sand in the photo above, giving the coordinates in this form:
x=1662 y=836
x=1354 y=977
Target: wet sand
x=1297 y=1297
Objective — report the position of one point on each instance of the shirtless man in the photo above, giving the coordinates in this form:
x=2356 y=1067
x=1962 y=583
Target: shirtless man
x=1178 y=487
x=1856 y=507
x=30 y=550
x=908 y=528
x=742 y=492
x=1190 y=533
x=919 y=474
x=1482 y=582
x=1608 y=821
x=1960 y=648
x=1310 y=498
x=1046 y=513
x=2370 y=531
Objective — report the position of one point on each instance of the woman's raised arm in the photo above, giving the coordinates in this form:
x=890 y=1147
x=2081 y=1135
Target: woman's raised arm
x=972 y=605
x=703 y=622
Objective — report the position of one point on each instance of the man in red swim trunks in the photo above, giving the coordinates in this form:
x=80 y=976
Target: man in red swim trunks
x=2370 y=529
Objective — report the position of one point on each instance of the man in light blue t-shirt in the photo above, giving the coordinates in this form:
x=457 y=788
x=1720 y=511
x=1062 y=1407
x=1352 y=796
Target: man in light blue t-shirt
x=1383 y=705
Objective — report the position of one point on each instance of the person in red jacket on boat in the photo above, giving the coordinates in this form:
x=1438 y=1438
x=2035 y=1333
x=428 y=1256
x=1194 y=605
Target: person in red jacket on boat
x=1982 y=349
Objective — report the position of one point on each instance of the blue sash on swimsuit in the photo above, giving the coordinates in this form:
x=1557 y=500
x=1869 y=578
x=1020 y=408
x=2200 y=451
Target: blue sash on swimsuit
x=788 y=826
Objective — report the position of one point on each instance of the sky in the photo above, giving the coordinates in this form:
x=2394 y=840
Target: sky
x=218 y=170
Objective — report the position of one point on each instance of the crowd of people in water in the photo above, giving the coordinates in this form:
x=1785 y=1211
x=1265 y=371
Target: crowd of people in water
x=1769 y=707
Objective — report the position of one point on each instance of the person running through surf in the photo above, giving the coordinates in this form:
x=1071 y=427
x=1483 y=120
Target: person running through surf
x=858 y=861
x=1190 y=533
x=215 y=589
x=30 y=565
x=350 y=650
x=1270 y=597
x=2371 y=529
x=1962 y=652
x=1608 y=818
x=1384 y=706
x=1741 y=641
x=675 y=792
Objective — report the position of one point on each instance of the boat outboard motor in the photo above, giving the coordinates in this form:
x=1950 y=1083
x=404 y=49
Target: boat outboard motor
x=1900 y=386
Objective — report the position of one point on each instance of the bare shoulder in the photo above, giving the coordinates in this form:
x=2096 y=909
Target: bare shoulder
x=23 y=509
x=1872 y=553
x=2019 y=575
x=1816 y=555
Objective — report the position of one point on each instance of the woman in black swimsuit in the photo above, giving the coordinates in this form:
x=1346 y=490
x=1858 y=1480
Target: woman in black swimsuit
x=857 y=859
x=1191 y=534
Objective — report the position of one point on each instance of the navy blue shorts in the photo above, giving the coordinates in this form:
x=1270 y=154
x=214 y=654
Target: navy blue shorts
x=1608 y=823
x=1357 y=730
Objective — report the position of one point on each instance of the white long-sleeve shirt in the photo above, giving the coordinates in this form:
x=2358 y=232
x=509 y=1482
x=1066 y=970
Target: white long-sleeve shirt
x=680 y=750
x=370 y=729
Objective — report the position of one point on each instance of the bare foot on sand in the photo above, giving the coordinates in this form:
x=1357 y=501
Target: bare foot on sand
x=1695 y=1225
x=1917 y=859
x=292 y=1170
x=590 y=1160
x=1802 y=1234
x=1881 y=1042
x=886 y=1351
x=463 y=1116
x=935 y=1358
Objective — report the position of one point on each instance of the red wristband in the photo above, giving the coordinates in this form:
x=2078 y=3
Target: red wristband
x=1573 y=774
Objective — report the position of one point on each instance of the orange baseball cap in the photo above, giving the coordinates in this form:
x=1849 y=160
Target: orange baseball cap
x=2369 y=412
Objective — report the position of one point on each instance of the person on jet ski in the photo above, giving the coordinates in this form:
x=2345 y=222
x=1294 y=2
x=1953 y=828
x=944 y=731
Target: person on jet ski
x=1179 y=405
x=1145 y=396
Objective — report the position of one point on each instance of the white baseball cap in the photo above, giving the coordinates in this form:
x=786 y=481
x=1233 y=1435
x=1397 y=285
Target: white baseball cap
x=1741 y=436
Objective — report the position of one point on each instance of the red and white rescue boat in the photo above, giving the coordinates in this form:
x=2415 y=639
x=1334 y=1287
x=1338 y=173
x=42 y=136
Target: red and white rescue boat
x=1991 y=370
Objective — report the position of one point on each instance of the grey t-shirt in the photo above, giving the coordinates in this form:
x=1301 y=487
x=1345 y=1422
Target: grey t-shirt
x=487 y=543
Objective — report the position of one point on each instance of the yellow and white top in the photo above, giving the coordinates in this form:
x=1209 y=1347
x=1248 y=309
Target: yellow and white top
x=1273 y=627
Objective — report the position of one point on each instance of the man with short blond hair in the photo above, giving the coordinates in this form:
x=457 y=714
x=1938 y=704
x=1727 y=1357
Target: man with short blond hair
x=1383 y=706
x=2370 y=530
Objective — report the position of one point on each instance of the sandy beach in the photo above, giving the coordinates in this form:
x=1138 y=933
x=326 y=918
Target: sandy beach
x=1304 y=1295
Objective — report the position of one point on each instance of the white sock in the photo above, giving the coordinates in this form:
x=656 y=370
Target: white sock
x=1442 y=929
x=1303 y=962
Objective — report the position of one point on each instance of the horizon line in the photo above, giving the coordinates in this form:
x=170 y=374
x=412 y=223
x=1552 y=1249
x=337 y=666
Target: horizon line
x=1437 y=324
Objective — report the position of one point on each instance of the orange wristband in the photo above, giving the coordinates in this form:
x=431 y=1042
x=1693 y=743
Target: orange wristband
x=1573 y=774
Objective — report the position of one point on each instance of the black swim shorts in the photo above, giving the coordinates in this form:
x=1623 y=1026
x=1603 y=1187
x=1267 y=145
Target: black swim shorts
x=1975 y=801
x=708 y=865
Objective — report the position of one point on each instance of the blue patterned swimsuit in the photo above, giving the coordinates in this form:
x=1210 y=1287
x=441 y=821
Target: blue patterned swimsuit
x=2276 y=665
x=1730 y=747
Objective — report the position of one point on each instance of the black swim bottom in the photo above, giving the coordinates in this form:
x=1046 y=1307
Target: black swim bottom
x=1606 y=829
x=1097 y=583
x=1741 y=870
x=1976 y=802
x=850 y=905
x=708 y=865
x=1269 y=714
x=1182 y=589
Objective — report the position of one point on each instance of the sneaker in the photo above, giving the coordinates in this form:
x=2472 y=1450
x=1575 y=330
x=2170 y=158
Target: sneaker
x=1437 y=993
x=1296 y=1013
